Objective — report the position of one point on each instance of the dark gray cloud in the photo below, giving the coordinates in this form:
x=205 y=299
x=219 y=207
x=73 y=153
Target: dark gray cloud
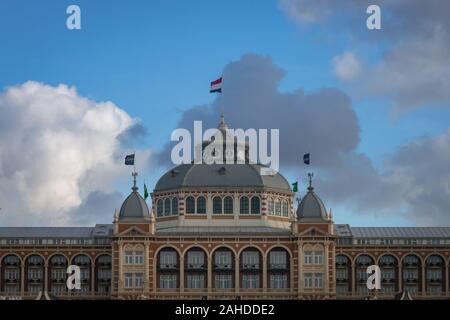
x=98 y=207
x=321 y=122
x=414 y=69
x=133 y=136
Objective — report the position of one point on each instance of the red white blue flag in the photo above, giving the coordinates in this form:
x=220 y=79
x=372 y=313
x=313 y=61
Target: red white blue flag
x=216 y=85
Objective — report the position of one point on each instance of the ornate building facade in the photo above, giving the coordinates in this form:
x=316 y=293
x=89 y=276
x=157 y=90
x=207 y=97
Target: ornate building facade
x=224 y=231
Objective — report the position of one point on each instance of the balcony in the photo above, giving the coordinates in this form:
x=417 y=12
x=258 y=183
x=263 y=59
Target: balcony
x=168 y=267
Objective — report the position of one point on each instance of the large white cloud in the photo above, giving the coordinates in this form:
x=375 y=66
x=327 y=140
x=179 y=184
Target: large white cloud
x=57 y=150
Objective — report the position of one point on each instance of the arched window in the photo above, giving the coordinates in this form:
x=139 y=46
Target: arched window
x=34 y=274
x=271 y=207
x=175 y=206
x=103 y=274
x=388 y=266
x=159 y=208
x=11 y=275
x=190 y=205
x=201 y=205
x=243 y=204
x=58 y=274
x=362 y=262
x=277 y=207
x=435 y=275
x=217 y=205
x=228 y=205
x=251 y=269
x=284 y=208
x=223 y=268
x=343 y=275
x=168 y=269
x=84 y=263
x=195 y=269
x=412 y=274
x=256 y=207
x=278 y=269
x=167 y=207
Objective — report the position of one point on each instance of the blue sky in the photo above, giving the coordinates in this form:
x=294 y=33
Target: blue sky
x=154 y=59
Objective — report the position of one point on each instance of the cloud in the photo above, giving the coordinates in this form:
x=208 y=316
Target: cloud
x=413 y=70
x=57 y=150
x=346 y=66
x=307 y=121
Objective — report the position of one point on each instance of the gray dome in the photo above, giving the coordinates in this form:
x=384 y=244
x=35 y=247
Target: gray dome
x=221 y=175
x=134 y=207
x=311 y=207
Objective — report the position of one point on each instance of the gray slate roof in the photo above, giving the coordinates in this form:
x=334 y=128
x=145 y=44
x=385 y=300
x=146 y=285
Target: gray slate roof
x=311 y=207
x=134 y=206
x=56 y=232
x=344 y=230
x=220 y=175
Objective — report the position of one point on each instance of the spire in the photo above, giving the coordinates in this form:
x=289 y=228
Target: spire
x=134 y=188
x=222 y=124
x=310 y=187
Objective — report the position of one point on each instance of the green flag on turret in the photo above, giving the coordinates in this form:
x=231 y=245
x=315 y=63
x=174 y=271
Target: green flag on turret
x=145 y=192
x=295 y=186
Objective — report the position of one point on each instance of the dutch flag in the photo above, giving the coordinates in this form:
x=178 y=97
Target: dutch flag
x=216 y=85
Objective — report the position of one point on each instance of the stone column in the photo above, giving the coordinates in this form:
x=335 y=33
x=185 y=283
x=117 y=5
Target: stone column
x=447 y=282
x=264 y=273
x=353 y=271
x=236 y=275
x=45 y=277
x=209 y=274
x=147 y=269
x=424 y=288
x=400 y=277
x=182 y=274
x=299 y=262
x=93 y=279
x=22 y=279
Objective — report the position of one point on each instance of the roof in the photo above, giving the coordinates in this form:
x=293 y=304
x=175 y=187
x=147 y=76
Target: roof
x=344 y=230
x=311 y=206
x=221 y=175
x=134 y=207
x=56 y=232
x=211 y=231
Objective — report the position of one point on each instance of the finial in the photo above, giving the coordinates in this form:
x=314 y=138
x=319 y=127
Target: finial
x=134 y=188
x=222 y=124
x=310 y=175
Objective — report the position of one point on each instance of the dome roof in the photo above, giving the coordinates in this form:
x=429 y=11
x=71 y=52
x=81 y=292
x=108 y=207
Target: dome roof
x=221 y=175
x=311 y=207
x=134 y=206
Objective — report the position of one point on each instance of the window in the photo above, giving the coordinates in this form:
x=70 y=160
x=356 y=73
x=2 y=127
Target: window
x=256 y=205
x=195 y=281
x=139 y=280
x=318 y=280
x=159 y=208
x=250 y=259
x=278 y=281
x=277 y=207
x=308 y=278
x=243 y=204
x=128 y=280
x=195 y=259
x=34 y=274
x=167 y=207
x=201 y=205
x=271 y=206
x=138 y=257
x=223 y=281
x=278 y=259
x=168 y=259
x=250 y=281
x=313 y=280
x=190 y=205
x=168 y=281
x=342 y=274
x=313 y=257
x=285 y=208
x=217 y=205
x=128 y=257
x=228 y=205
x=223 y=259
x=174 y=206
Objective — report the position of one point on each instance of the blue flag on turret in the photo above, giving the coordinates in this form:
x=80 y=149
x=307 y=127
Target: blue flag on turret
x=306 y=158
x=129 y=160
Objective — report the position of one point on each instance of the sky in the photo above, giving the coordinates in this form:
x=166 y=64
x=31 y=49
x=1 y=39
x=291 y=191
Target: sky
x=372 y=106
